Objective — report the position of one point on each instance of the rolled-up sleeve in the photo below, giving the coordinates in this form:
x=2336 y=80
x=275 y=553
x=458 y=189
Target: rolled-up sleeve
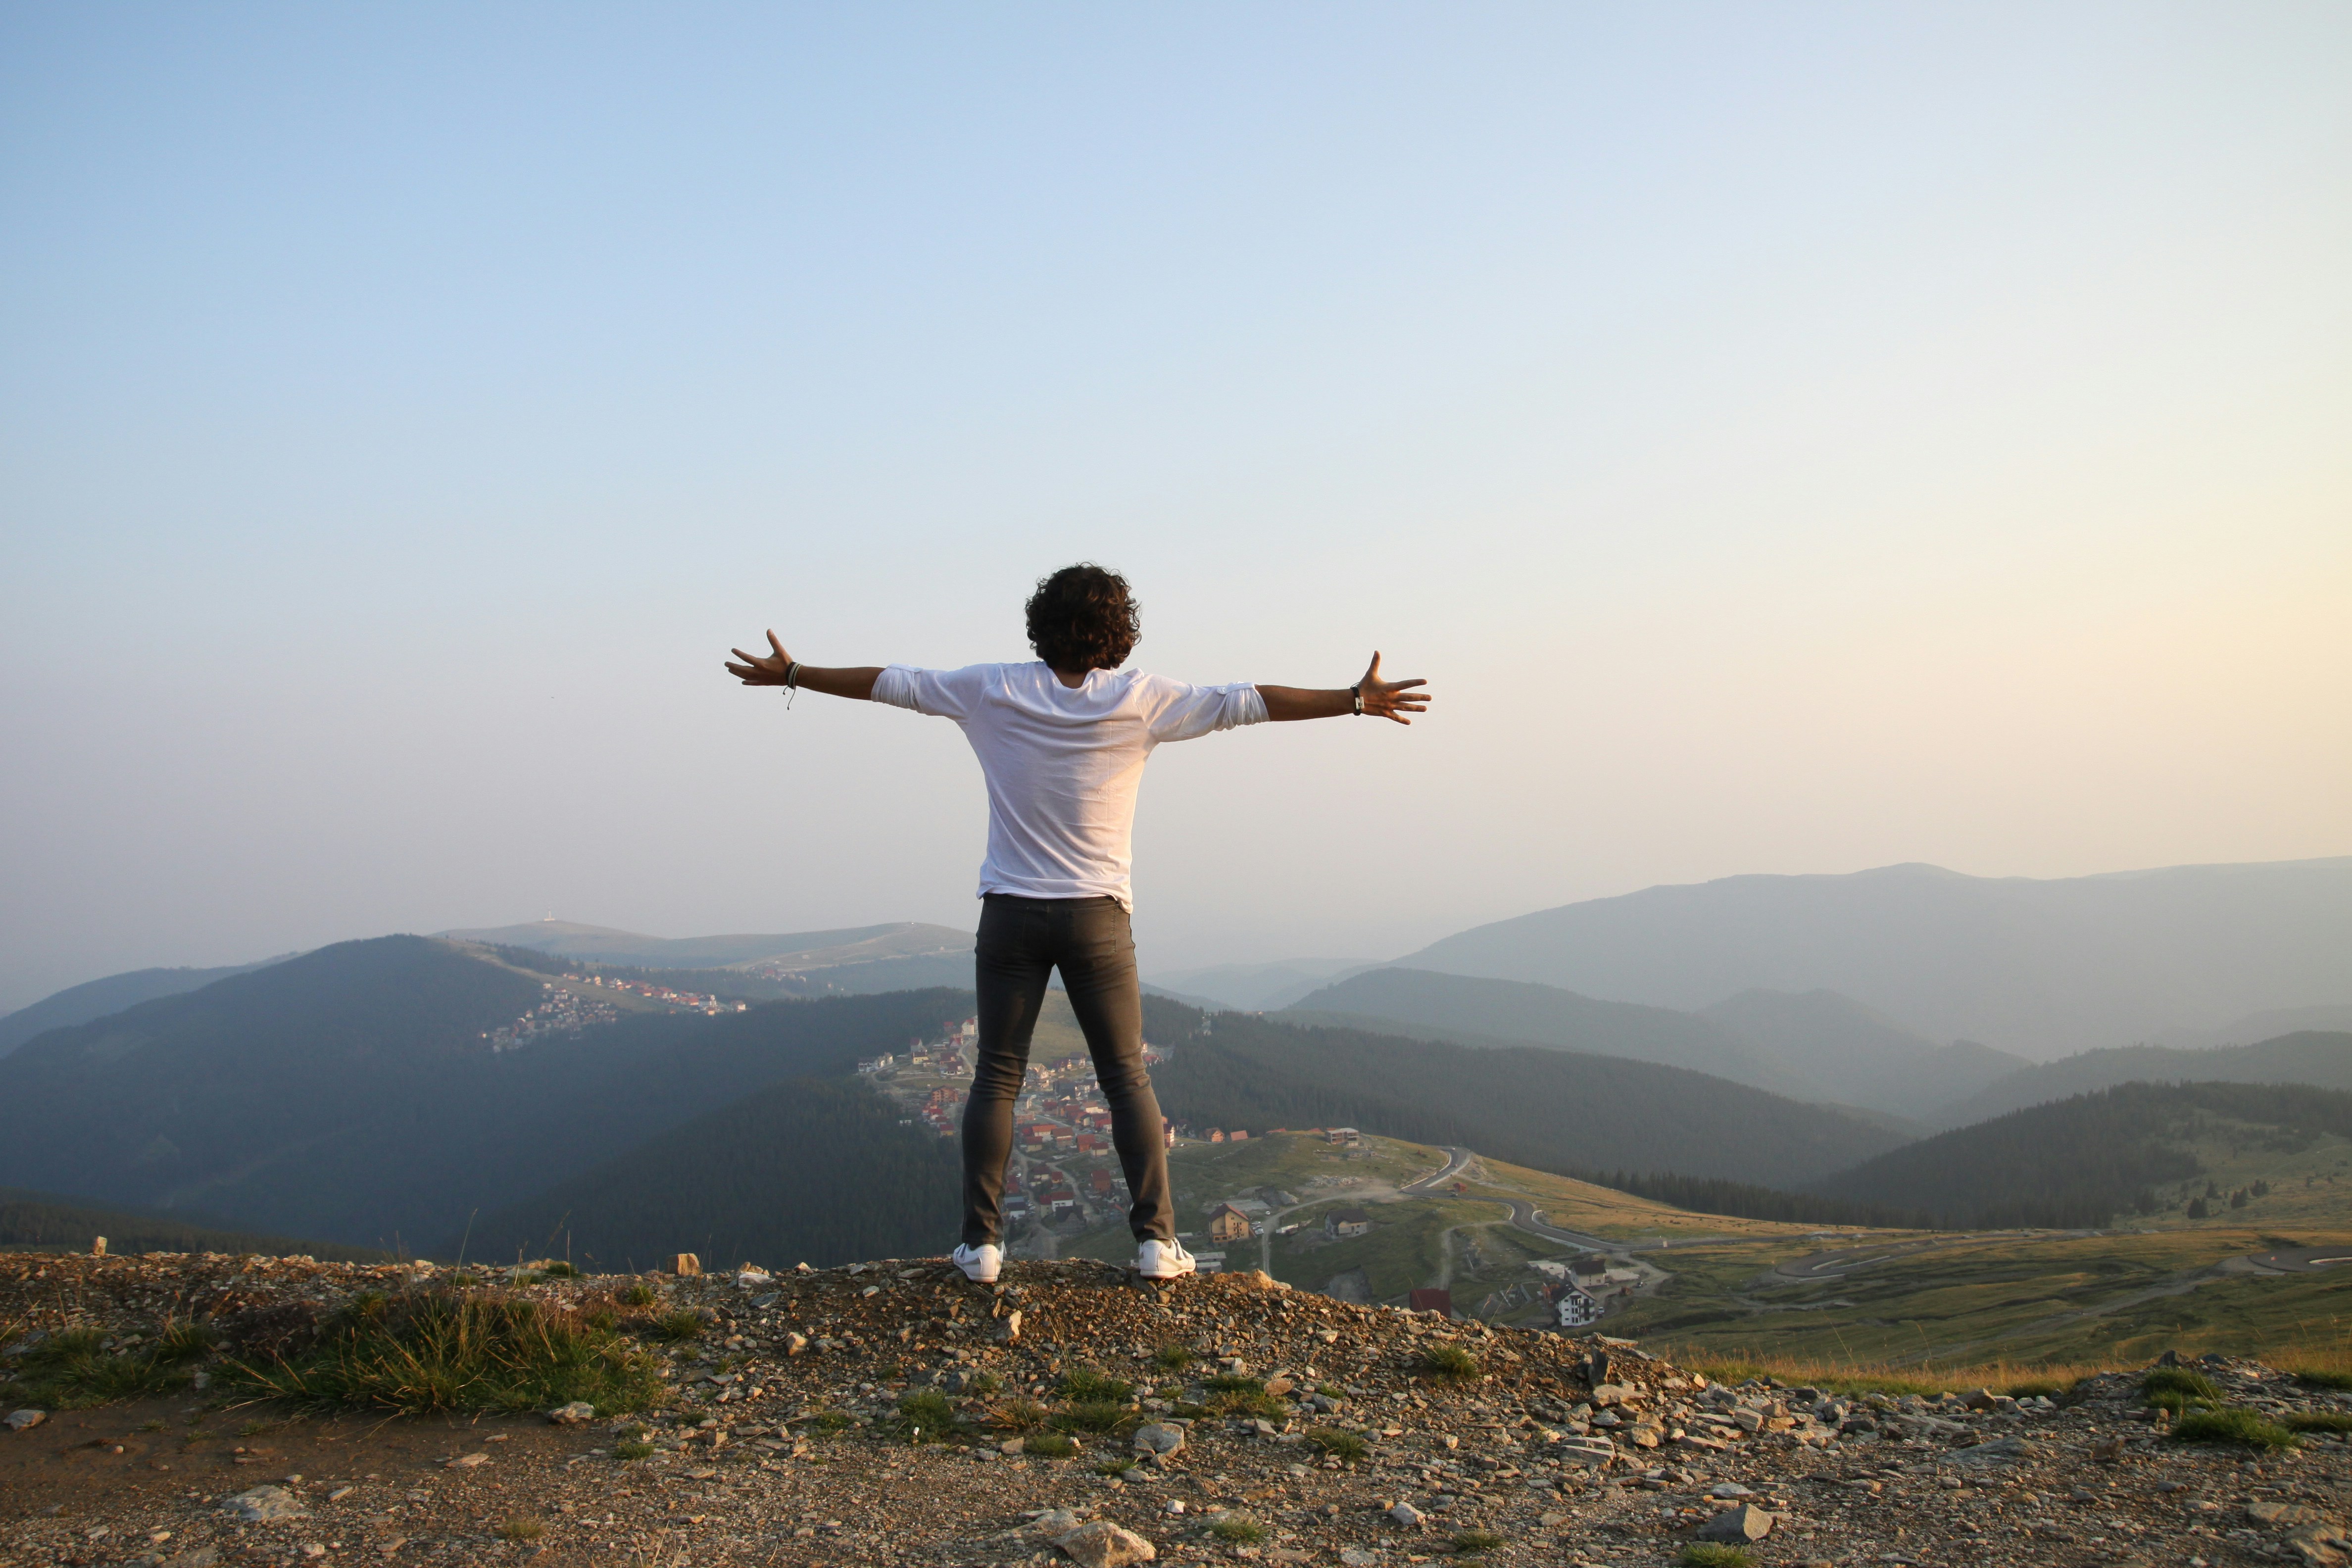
x=1185 y=711
x=941 y=693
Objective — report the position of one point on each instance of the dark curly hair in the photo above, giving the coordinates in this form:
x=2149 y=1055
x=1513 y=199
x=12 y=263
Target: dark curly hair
x=1083 y=617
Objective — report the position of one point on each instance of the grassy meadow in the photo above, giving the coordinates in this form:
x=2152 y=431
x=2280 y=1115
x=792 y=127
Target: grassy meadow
x=2006 y=1309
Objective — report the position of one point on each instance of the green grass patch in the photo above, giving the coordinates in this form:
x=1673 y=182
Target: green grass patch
x=926 y=1416
x=1049 y=1445
x=634 y=1450
x=2178 y=1389
x=1240 y=1528
x=678 y=1326
x=1339 y=1444
x=1021 y=1416
x=1092 y=1416
x=1475 y=1540
x=1118 y=1466
x=1086 y=1383
x=1234 y=1383
x=2322 y=1377
x=73 y=1370
x=830 y=1420
x=2320 y=1421
x=1714 y=1555
x=983 y=1384
x=1173 y=1358
x=522 y=1526
x=2241 y=1429
x=639 y=1295
x=558 y=1270
x=1448 y=1364
x=2036 y=1388
x=440 y=1350
x=1254 y=1403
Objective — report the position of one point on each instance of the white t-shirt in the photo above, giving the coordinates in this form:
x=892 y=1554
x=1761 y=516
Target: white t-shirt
x=1063 y=763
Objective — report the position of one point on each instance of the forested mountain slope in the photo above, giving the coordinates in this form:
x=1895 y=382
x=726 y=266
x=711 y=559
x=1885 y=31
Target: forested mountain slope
x=98 y=999
x=2311 y=1057
x=1552 y=1110
x=47 y=1222
x=348 y=1094
x=1818 y=1045
x=1425 y=1000
x=2081 y=1160
x=817 y=1171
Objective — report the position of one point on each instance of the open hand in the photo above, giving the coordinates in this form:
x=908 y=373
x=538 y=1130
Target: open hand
x=756 y=670
x=1391 y=699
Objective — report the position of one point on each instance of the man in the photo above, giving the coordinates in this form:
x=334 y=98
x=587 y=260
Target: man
x=1062 y=742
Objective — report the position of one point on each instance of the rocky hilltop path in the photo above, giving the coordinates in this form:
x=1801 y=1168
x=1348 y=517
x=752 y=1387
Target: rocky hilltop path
x=1267 y=1424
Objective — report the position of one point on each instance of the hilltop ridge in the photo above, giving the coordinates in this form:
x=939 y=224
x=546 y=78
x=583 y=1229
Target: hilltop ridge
x=893 y=1413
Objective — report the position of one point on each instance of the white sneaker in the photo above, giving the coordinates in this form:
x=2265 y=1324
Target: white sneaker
x=980 y=1263
x=1163 y=1260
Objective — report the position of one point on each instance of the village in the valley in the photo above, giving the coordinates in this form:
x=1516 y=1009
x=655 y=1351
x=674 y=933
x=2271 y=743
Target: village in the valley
x=1331 y=1209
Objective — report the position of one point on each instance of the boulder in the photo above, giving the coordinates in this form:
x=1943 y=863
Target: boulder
x=25 y=1420
x=1099 y=1543
x=1159 y=1440
x=1739 y=1524
x=264 y=1505
x=578 y=1413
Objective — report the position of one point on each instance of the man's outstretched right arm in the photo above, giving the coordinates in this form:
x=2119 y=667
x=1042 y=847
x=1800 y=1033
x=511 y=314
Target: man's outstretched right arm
x=780 y=669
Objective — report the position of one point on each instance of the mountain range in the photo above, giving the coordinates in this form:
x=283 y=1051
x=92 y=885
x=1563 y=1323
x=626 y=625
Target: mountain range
x=356 y=1095
x=2038 y=968
x=111 y=994
x=1818 y=1045
x=902 y=956
x=352 y=1094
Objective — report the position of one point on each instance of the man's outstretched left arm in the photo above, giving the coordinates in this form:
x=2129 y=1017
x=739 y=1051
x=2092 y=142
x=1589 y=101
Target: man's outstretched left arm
x=1372 y=696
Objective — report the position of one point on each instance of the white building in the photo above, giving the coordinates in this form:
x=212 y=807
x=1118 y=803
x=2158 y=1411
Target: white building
x=1576 y=1308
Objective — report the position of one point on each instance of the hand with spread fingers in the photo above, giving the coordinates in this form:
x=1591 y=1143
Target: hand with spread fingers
x=756 y=670
x=1371 y=698
x=779 y=668
x=1391 y=699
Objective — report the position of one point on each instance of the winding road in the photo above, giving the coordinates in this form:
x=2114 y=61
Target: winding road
x=2301 y=1260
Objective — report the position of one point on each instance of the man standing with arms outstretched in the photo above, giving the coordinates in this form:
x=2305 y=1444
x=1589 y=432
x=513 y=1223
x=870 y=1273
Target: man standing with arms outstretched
x=1062 y=741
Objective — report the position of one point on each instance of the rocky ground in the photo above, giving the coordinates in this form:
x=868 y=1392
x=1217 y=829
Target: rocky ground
x=1303 y=1429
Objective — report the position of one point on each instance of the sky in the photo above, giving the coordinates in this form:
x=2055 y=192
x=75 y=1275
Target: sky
x=1789 y=438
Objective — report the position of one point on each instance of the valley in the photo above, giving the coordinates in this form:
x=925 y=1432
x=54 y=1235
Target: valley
x=1779 y=1172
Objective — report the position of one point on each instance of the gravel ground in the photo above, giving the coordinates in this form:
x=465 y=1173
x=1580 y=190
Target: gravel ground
x=780 y=1442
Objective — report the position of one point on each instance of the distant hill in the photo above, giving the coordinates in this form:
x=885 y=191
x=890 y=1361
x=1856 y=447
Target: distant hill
x=2078 y=1162
x=1254 y=987
x=2255 y=1027
x=1845 y=1052
x=2310 y=1057
x=2040 y=968
x=814 y=1171
x=863 y=959
x=1819 y=1045
x=97 y=998
x=1552 y=1110
x=1547 y=1015
x=348 y=1094
x=45 y=1222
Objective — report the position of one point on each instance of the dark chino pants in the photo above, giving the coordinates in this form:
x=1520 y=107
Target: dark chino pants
x=1021 y=942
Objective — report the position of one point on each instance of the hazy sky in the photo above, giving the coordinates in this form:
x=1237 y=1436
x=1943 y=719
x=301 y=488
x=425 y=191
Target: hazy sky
x=1790 y=438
